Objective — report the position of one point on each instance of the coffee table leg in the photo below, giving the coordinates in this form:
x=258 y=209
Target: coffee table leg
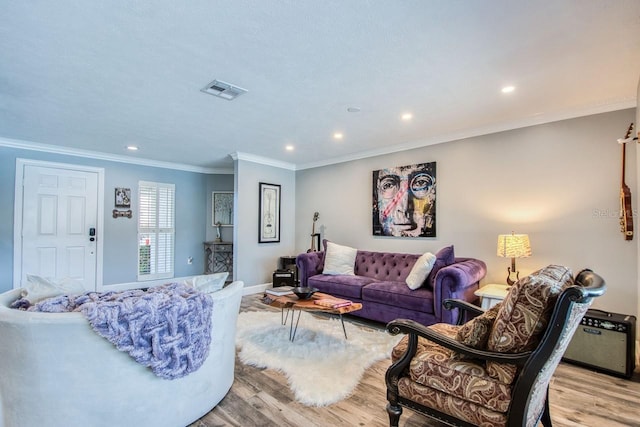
x=343 y=328
x=283 y=318
x=292 y=330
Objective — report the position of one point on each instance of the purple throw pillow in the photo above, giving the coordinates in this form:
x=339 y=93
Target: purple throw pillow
x=444 y=257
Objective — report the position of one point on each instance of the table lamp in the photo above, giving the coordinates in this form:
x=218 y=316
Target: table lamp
x=513 y=246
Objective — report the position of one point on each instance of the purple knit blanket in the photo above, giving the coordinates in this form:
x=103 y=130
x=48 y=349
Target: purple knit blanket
x=167 y=328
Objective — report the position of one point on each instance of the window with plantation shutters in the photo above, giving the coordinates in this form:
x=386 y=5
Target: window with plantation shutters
x=156 y=232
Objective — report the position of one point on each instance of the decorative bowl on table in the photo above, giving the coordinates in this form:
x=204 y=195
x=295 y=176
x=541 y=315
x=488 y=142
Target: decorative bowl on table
x=304 y=293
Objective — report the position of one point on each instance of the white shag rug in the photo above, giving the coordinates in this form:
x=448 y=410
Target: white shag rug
x=321 y=366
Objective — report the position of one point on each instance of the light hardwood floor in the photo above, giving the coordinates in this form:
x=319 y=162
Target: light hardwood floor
x=261 y=397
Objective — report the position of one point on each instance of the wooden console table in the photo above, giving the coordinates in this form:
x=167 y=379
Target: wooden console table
x=218 y=258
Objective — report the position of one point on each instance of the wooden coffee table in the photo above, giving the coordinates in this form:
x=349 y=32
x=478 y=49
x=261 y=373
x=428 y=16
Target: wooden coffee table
x=291 y=303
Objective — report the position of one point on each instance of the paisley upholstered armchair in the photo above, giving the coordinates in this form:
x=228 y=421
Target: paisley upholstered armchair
x=495 y=369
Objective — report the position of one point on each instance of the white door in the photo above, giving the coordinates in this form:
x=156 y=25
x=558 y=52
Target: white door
x=59 y=224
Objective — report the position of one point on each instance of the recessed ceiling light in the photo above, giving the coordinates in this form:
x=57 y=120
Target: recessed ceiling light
x=289 y=147
x=338 y=135
x=508 y=89
x=132 y=148
x=407 y=116
x=353 y=109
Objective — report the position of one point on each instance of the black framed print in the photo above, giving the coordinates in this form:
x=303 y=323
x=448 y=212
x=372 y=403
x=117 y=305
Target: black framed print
x=122 y=197
x=269 y=213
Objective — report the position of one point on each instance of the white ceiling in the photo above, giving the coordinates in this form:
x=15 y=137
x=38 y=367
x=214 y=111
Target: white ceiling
x=99 y=75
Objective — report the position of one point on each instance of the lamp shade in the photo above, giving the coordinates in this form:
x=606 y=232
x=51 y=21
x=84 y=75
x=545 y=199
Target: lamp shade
x=514 y=245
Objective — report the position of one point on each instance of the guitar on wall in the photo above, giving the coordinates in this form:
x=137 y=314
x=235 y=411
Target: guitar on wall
x=316 y=215
x=626 y=210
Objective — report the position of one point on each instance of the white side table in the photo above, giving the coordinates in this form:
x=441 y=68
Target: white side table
x=492 y=294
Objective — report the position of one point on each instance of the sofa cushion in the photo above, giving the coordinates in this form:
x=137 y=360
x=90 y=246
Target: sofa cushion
x=208 y=283
x=345 y=286
x=399 y=295
x=445 y=256
x=473 y=413
x=525 y=312
x=475 y=333
x=339 y=259
x=524 y=315
x=385 y=266
x=420 y=270
x=39 y=288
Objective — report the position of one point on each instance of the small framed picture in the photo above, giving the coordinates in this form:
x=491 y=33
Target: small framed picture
x=222 y=208
x=269 y=215
x=123 y=197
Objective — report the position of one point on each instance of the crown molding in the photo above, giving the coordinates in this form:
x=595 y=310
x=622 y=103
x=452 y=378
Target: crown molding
x=262 y=160
x=56 y=149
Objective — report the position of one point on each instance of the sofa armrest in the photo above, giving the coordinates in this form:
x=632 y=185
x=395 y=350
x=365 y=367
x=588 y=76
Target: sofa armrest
x=457 y=281
x=309 y=264
x=413 y=328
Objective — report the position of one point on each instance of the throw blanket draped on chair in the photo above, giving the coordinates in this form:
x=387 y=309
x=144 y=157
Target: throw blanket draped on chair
x=167 y=328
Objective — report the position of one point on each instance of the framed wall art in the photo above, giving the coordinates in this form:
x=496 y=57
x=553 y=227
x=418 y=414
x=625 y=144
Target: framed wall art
x=122 y=197
x=269 y=213
x=222 y=208
x=404 y=201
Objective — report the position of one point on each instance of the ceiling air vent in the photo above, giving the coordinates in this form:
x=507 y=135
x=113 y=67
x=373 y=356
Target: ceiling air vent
x=223 y=90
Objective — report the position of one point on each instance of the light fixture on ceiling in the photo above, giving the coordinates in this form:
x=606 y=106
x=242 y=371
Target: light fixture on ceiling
x=223 y=90
x=132 y=148
x=338 y=135
x=406 y=117
x=289 y=147
x=508 y=89
x=353 y=109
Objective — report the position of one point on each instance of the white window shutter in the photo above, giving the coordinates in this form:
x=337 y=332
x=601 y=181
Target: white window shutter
x=156 y=230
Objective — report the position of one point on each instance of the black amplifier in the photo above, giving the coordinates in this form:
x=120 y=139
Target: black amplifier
x=605 y=342
x=284 y=278
x=288 y=263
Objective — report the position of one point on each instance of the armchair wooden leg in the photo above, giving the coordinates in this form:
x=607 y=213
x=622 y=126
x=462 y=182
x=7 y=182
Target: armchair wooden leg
x=394 y=412
x=546 y=415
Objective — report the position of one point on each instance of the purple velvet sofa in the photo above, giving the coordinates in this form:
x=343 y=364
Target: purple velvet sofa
x=379 y=284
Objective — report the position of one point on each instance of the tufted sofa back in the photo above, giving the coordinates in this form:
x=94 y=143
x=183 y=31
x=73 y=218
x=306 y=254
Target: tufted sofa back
x=384 y=265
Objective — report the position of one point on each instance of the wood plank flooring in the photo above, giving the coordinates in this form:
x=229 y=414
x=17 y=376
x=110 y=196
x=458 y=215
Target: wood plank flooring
x=261 y=397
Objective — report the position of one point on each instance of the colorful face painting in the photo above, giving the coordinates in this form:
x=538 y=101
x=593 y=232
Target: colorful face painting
x=404 y=201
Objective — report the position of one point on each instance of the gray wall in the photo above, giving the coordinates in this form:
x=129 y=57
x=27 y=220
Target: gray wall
x=255 y=262
x=636 y=201
x=557 y=182
x=120 y=235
